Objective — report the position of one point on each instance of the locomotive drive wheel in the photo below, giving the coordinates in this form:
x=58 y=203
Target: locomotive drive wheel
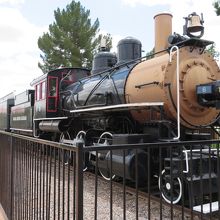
x=105 y=139
x=165 y=186
x=82 y=135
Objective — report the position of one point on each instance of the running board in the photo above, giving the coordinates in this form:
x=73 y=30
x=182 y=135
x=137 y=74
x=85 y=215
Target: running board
x=205 y=208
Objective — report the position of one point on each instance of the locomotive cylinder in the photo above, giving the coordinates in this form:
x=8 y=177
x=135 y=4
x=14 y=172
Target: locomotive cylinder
x=116 y=161
x=52 y=125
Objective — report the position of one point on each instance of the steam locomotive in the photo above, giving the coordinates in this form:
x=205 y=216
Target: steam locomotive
x=126 y=99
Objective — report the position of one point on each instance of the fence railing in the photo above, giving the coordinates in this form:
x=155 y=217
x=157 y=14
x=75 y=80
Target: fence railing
x=47 y=180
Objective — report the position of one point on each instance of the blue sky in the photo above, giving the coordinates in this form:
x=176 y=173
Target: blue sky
x=23 y=21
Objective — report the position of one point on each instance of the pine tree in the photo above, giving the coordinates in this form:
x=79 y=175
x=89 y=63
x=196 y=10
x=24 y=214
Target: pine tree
x=72 y=39
x=216 y=5
x=150 y=54
x=212 y=50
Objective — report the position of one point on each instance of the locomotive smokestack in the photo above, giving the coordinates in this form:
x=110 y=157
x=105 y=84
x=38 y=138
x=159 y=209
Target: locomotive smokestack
x=163 y=29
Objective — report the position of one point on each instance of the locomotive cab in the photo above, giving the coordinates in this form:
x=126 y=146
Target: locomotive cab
x=48 y=88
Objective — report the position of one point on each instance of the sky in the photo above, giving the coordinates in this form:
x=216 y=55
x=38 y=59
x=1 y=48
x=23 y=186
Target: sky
x=22 y=22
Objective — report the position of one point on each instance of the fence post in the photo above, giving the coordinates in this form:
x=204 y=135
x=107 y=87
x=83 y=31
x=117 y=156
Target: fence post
x=12 y=178
x=79 y=180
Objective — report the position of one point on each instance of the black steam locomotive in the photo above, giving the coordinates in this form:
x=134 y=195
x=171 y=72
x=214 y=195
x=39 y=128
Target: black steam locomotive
x=126 y=99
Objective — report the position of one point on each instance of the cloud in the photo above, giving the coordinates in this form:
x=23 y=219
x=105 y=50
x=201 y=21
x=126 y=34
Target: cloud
x=12 y=2
x=150 y=3
x=115 y=40
x=180 y=9
x=133 y=3
x=19 y=52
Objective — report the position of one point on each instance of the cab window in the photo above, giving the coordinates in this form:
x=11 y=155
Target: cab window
x=52 y=90
x=52 y=100
x=43 y=90
x=40 y=91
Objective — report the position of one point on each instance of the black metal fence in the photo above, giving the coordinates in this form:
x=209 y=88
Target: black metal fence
x=46 y=180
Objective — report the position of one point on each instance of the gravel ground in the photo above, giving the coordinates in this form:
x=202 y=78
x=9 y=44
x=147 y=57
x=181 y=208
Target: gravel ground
x=56 y=199
x=103 y=204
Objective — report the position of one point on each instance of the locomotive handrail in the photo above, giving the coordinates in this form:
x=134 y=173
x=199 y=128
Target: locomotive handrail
x=177 y=89
x=119 y=106
x=186 y=152
x=55 y=118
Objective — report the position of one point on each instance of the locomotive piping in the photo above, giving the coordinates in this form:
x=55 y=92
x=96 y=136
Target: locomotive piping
x=95 y=87
x=146 y=84
x=116 y=90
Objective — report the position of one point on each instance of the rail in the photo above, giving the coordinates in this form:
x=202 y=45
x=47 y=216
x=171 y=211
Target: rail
x=45 y=180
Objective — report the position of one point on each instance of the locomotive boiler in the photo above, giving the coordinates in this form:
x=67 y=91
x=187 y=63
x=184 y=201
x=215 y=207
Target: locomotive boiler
x=134 y=81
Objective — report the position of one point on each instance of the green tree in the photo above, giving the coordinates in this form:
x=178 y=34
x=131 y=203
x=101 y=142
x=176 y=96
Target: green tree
x=150 y=54
x=72 y=39
x=216 y=5
x=212 y=50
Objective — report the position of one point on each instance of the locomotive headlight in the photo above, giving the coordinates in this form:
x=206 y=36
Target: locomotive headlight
x=209 y=94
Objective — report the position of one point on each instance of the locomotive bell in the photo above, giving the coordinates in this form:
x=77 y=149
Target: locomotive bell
x=193 y=24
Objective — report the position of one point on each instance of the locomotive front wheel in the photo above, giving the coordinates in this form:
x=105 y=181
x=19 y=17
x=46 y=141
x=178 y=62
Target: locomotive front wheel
x=82 y=135
x=171 y=189
x=105 y=139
